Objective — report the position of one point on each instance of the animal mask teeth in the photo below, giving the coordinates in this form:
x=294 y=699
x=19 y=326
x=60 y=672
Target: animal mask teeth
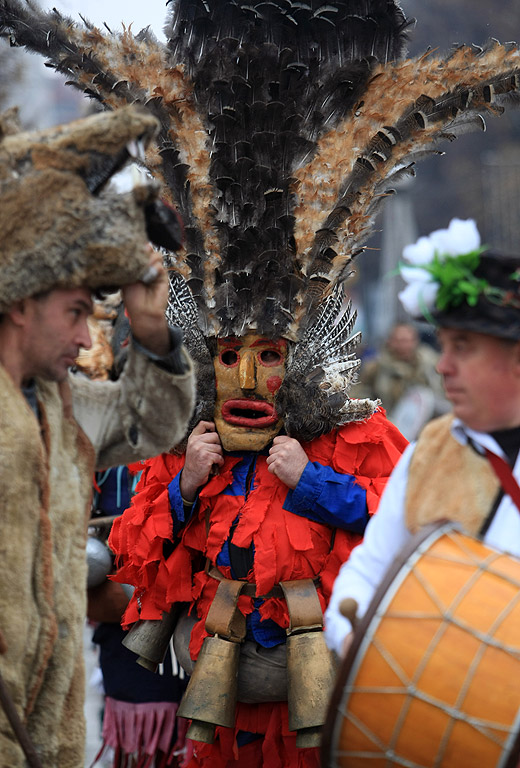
x=136 y=149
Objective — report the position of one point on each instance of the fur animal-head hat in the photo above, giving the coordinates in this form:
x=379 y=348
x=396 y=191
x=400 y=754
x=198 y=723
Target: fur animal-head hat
x=61 y=225
x=283 y=127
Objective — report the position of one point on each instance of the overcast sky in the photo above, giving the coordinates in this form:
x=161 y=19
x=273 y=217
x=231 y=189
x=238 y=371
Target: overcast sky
x=41 y=106
x=114 y=12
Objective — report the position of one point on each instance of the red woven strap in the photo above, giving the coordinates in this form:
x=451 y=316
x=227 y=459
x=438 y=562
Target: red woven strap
x=506 y=477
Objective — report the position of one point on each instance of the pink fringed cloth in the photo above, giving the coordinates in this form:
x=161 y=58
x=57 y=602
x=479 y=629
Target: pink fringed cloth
x=141 y=733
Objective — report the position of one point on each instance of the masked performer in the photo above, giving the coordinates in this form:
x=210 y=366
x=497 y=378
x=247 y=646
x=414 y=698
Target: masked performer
x=283 y=127
x=259 y=523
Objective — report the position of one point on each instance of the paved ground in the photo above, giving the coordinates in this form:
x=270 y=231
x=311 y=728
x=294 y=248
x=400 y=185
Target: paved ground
x=93 y=702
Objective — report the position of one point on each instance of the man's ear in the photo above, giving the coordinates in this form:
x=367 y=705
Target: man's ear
x=516 y=354
x=17 y=312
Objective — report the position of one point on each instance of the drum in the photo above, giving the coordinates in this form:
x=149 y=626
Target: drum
x=432 y=678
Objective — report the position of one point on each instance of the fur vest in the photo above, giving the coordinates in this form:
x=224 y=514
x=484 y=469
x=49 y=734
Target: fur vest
x=46 y=472
x=448 y=480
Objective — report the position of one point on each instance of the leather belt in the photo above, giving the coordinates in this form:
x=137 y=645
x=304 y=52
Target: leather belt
x=248 y=589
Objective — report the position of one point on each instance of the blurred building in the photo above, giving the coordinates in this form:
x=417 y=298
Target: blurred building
x=40 y=94
x=399 y=228
x=501 y=192
x=379 y=281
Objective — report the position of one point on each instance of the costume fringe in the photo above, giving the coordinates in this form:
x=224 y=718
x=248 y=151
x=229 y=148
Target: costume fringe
x=139 y=731
x=276 y=748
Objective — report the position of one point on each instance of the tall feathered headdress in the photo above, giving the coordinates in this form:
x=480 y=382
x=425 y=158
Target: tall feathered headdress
x=283 y=127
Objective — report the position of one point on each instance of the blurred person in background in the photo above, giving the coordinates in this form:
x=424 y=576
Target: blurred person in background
x=404 y=377
x=139 y=714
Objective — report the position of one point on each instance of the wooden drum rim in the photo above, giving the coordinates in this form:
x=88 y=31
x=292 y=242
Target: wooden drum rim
x=429 y=533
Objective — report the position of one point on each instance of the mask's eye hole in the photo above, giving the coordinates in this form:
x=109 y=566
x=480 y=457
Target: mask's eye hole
x=270 y=357
x=229 y=357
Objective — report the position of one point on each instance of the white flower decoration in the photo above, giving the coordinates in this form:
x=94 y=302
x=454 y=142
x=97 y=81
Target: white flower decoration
x=460 y=237
x=421 y=252
x=420 y=294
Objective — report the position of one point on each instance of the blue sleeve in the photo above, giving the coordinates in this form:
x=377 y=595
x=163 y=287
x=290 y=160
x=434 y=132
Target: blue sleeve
x=177 y=505
x=329 y=497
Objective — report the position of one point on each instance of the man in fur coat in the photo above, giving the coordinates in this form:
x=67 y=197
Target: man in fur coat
x=65 y=234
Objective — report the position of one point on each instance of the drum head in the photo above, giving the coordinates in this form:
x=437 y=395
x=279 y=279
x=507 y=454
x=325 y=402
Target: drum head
x=431 y=677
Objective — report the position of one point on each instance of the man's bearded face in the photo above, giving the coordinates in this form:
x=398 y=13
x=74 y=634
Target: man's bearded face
x=248 y=371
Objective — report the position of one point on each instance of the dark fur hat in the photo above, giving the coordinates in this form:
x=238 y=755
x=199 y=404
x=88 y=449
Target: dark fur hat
x=497 y=310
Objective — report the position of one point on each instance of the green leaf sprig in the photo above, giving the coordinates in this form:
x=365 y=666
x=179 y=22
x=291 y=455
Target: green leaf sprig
x=456 y=279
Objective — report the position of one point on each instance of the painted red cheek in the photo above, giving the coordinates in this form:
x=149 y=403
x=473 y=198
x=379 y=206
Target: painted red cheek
x=273 y=383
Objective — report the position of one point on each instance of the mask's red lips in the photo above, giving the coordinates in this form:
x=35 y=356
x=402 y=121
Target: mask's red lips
x=249 y=413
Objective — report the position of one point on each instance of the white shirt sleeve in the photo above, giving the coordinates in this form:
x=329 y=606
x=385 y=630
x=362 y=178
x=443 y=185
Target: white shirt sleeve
x=385 y=536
